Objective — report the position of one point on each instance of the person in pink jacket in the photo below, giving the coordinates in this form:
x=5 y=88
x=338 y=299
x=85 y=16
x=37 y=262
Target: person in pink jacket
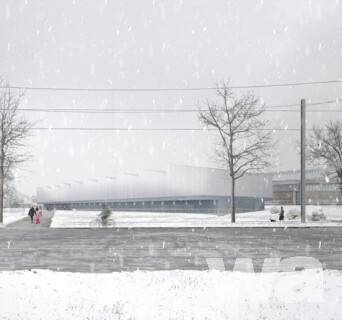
x=37 y=216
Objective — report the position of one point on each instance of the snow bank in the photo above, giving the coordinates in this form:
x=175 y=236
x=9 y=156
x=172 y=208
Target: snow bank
x=81 y=219
x=43 y=294
x=136 y=219
x=14 y=214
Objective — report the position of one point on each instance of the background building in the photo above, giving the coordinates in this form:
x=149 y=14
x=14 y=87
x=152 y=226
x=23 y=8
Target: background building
x=177 y=189
x=318 y=189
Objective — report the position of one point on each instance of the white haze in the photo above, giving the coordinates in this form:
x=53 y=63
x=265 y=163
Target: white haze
x=160 y=44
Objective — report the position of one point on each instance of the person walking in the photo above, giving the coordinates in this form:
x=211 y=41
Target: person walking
x=40 y=211
x=31 y=213
x=37 y=216
x=281 y=214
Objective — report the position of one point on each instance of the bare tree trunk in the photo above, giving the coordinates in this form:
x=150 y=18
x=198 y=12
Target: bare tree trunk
x=2 y=163
x=339 y=175
x=13 y=131
x=242 y=144
x=1 y=194
x=232 y=200
x=2 y=177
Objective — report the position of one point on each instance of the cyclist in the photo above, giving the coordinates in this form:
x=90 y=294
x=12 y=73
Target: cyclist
x=105 y=214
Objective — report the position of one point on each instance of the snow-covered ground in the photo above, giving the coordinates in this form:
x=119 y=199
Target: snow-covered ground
x=81 y=219
x=14 y=214
x=44 y=294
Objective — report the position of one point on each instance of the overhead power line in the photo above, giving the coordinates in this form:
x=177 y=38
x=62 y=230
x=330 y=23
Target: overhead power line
x=310 y=104
x=147 y=129
x=324 y=111
x=160 y=111
x=135 y=110
x=265 y=85
x=324 y=102
x=106 y=111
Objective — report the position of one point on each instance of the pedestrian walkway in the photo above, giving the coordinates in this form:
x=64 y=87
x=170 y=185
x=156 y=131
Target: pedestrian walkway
x=45 y=221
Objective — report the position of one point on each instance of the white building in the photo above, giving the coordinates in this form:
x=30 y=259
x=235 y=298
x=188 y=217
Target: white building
x=177 y=189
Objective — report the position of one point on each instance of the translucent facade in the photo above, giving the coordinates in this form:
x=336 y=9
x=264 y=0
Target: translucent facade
x=178 y=188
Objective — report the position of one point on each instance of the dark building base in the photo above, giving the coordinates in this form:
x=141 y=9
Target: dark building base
x=211 y=205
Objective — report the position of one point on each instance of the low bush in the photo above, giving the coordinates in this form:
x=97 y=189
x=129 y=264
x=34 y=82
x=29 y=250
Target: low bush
x=274 y=210
x=317 y=215
x=292 y=214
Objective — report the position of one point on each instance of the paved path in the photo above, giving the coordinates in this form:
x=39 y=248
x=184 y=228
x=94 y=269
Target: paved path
x=107 y=250
x=25 y=223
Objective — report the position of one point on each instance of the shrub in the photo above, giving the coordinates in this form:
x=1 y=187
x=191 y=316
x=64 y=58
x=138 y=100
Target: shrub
x=317 y=215
x=274 y=210
x=292 y=214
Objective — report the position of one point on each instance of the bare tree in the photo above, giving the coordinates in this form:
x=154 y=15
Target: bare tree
x=13 y=131
x=325 y=147
x=10 y=193
x=243 y=144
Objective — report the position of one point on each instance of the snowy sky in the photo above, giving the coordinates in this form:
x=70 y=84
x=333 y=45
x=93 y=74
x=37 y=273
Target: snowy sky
x=160 y=44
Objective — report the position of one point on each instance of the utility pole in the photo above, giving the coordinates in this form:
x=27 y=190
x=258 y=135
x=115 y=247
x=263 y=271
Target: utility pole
x=302 y=160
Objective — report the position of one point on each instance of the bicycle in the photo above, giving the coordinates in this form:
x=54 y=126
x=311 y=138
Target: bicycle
x=98 y=223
